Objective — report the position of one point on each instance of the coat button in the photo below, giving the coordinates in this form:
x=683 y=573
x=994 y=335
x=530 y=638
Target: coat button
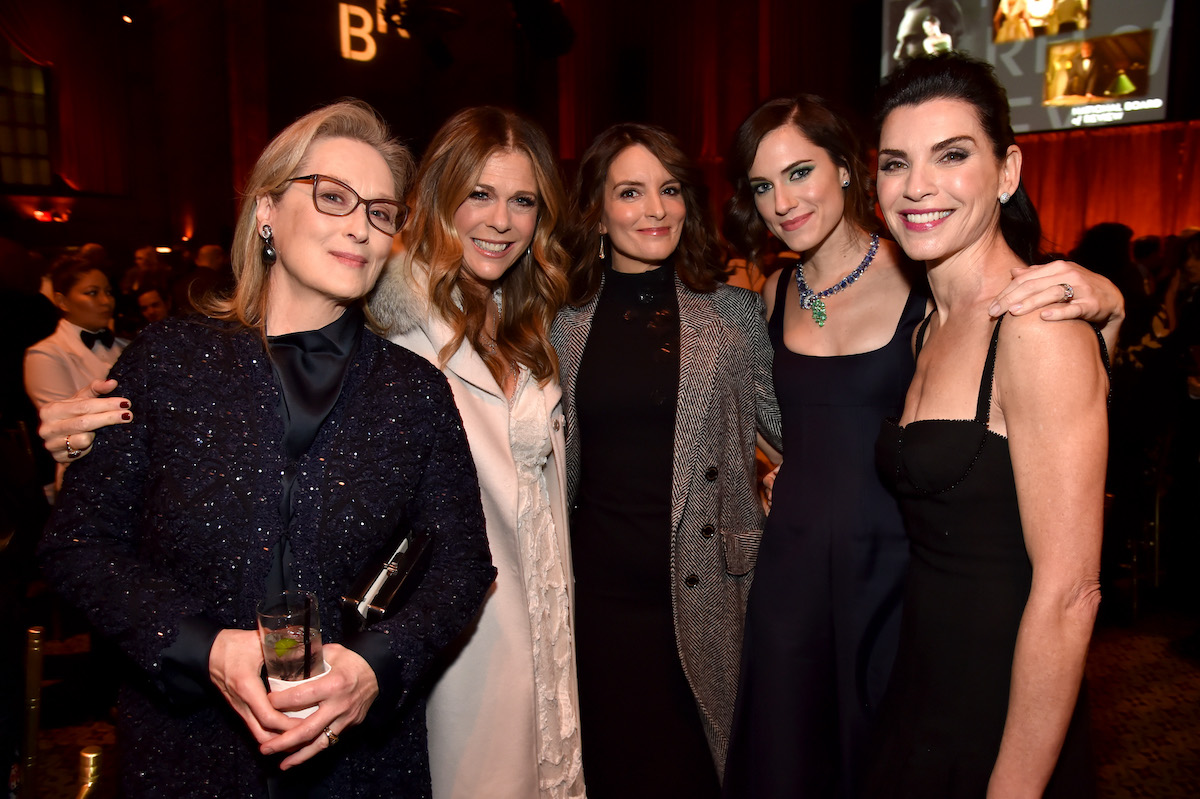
x=692 y=581
x=711 y=474
x=709 y=531
x=557 y=424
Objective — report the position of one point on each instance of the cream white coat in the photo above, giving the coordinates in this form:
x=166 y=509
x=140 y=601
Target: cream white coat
x=482 y=714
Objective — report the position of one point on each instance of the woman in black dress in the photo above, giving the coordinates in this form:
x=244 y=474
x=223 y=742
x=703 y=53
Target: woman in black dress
x=824 y=615
x=1000 y=475
x=824 y=611
x=666 y=374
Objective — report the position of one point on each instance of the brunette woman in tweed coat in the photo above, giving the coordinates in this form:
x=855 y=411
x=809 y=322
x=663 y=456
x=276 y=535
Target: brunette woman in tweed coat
x=666 y=374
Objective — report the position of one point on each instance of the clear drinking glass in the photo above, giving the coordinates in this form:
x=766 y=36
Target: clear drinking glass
x=290 y=630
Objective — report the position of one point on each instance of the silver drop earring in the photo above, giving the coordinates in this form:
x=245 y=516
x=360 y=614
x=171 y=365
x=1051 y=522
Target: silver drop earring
x=268 y=245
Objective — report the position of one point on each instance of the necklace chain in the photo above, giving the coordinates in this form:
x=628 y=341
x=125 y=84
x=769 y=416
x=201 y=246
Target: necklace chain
x=815 y=301
x=489 y=340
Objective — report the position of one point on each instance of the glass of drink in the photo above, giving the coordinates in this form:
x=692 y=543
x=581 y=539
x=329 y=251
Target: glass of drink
x=290 y=631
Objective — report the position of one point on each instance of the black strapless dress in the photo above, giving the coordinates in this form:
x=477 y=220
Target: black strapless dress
x=968 y=581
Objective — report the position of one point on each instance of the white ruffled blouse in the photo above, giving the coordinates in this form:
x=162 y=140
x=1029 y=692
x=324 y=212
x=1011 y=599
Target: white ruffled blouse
x=560 y=761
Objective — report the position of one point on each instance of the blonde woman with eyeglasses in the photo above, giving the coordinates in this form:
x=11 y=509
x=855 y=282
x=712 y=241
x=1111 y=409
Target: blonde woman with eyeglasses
x=277 y=443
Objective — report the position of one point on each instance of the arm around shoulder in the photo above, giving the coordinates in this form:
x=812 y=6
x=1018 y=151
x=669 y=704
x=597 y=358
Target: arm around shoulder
x=90 y=549
x=1062 y=290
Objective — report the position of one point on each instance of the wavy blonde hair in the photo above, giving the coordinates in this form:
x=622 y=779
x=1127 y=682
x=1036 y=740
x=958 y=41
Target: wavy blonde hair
x=535 y=286
x=348 y=119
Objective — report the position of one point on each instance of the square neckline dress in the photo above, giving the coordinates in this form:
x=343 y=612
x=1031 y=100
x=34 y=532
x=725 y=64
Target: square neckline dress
x=968 y=582
x=823 y=617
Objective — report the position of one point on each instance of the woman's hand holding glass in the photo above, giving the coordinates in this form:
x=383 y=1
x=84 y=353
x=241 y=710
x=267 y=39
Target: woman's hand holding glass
x=235 y=665
x=343 y=696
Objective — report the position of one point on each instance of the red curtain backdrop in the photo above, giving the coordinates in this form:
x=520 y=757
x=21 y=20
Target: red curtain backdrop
x=1144 y=176
x=91 y=123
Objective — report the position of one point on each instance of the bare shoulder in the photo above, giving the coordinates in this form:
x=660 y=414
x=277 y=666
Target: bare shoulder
x=1048 y=374
x=1036 y=355
x=770 y=289
x=1029 y=335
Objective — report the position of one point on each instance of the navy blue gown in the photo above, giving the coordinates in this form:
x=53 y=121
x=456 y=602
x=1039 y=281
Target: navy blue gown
x=823 y=615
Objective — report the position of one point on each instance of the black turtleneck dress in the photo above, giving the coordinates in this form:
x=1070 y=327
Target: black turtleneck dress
x=641 y=732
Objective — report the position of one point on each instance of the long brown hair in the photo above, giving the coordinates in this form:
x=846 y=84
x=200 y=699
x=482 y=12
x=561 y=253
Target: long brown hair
x=535 y=286
x=810 y=115
x=349 y=119
x=698 y=259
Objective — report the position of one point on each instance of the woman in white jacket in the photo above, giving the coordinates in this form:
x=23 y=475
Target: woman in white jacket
x=473 y=283
x=473 y=286
x=82 y=348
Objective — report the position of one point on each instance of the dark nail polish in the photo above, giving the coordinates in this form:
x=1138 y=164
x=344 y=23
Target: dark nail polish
x=126 y=417
x=124 y=403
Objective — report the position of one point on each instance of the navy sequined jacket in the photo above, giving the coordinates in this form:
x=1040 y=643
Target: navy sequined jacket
x=169 y=525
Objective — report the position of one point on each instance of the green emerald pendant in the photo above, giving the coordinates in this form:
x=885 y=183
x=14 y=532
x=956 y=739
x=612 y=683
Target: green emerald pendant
x=818 y=311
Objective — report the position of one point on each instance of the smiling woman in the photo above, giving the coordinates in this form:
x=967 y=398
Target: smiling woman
x=644 y=211
x=952 y=175
x=326 y=259
x=472 y=287
x=666 y=377
x=277 y=444
x=1003 y=585
x=497 y=219
x=824 y=609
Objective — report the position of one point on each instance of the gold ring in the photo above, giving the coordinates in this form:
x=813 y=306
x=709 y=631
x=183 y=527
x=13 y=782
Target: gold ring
x=72 y=453
x=330 y=736
x=1068 y=292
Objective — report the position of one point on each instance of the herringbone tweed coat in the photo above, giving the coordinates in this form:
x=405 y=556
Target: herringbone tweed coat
x=725 y=393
